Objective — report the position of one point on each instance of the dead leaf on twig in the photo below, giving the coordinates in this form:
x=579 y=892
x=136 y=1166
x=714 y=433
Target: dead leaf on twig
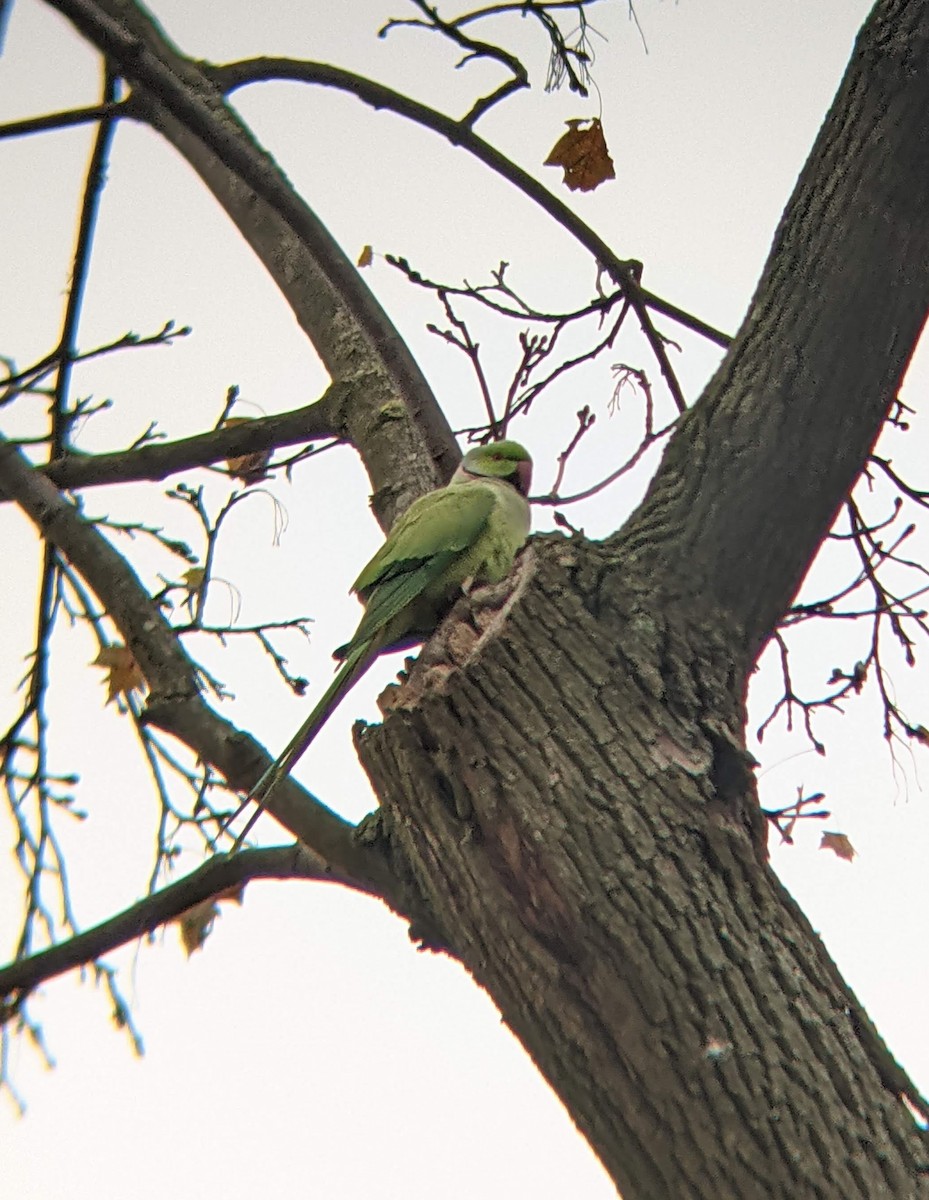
x=839 y=844
x=582 y=155
x=250 y=468
x=196 y=923
x=124 y=673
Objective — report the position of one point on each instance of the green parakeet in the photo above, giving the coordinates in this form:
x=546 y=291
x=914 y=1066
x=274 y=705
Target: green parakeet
x=466 y=533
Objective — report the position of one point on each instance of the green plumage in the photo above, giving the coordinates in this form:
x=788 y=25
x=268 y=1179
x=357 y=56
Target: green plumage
x=466 y=533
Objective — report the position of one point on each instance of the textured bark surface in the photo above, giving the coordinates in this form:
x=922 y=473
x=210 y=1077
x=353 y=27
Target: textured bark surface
x=576 y=808
x=575 y=811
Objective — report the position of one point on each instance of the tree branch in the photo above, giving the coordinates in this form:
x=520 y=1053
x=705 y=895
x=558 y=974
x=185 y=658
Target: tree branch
x=175 y=704
x=158 y=460
x=754 y=475
x=404 y=455
x=93 y=190
x=216 y=875
x=624 y=273
x=33 y=802
x=163 y=662
x=519 y=76
x=65 y=120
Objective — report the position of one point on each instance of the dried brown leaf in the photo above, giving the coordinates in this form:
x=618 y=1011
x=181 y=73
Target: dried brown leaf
x=582 y=155
x=193 y=579
x=124 y=673
x=196 y=922
x=839 y=844
x=250 y=468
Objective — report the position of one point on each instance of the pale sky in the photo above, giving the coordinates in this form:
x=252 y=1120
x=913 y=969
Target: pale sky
x=308 y=1049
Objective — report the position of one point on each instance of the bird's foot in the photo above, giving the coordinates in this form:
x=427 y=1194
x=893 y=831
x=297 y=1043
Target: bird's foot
x=474 y=621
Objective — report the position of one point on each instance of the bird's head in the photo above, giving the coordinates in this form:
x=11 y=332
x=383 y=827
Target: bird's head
x=498 y=460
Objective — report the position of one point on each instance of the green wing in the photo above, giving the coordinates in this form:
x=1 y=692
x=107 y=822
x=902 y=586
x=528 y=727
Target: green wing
x=407 y=584
x=423 y=545
x=441 y=524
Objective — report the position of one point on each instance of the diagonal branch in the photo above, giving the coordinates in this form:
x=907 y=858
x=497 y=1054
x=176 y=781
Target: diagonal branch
x=459 y=133
x=176 y=704
x=165 y=665
x=755 y=473
x=33 y=803
x=216 y=875
x=90 y=207
x=65 y=120
x=350 y=331
x=519 y=76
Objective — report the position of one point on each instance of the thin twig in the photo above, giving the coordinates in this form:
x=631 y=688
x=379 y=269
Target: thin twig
x=67 y=119
x=235 y=75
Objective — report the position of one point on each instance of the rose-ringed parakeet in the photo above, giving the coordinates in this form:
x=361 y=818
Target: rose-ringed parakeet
x=468 y=532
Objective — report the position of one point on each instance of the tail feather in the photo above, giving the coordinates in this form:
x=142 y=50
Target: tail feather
x=351 y=670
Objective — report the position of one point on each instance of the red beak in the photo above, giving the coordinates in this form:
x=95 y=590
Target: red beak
x=523 y=479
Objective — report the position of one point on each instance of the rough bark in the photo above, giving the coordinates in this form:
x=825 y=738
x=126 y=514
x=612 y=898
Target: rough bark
x=753 y=479
x=593 y=857
x=576 y=807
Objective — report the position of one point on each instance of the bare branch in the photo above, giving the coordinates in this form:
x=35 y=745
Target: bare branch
x=158 y=461
x=175 y=704
x=536 y=349
x=471 y=349
x=38 y=849
x=519 y=77
x=219 y=873
x=784 y=819
x=235 y=75
x=90 y=206
x=164 y=664
x=585 y=422
x=349 y=329
x=519 y=308
x=27 y=379
x=920 y=497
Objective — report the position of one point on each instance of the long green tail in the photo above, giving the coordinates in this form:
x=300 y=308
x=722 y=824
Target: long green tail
x=351 y=670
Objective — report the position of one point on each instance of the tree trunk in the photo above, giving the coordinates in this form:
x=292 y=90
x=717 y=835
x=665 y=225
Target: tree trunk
x=575 y=810
x=576 y=807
